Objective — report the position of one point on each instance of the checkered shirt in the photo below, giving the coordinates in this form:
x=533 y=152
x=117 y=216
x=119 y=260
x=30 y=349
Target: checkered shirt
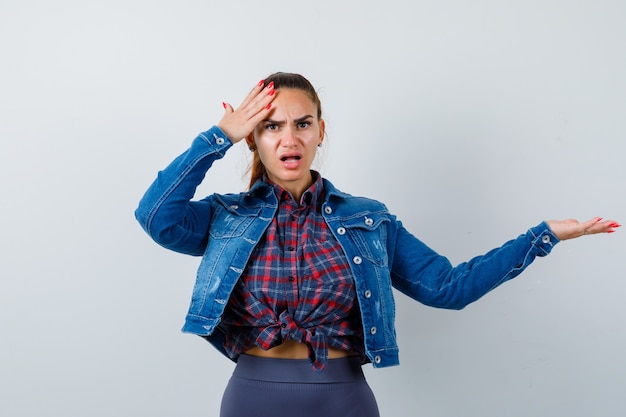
x=297 y=286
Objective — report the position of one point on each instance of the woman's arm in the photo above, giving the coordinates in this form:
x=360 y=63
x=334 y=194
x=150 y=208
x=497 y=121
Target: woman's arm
x=166 y=211
x=430 y=278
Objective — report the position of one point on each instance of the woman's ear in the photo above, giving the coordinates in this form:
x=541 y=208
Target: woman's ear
x=250 y=142
x=322 y=131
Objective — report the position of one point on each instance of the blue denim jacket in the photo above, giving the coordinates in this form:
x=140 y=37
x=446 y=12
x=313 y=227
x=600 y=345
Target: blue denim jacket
x=224 y=229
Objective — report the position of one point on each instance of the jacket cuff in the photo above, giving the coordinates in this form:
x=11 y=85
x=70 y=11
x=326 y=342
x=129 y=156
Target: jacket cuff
x=543 y=239
x=217 y=140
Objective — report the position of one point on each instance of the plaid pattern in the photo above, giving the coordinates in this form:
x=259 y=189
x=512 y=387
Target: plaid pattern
x=297 y=286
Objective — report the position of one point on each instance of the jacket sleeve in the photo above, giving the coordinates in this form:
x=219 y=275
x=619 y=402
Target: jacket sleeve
x=429 y=278
x=166 y=211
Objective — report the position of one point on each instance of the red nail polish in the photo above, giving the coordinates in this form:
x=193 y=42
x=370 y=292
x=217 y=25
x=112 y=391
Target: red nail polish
x=598 y=219
x=270 y=85
x=272 y=92
x=261 y=83
x=269 y=106
x=223 y=104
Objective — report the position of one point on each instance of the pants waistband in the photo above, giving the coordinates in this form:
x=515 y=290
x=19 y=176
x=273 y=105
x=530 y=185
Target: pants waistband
x=346 y=369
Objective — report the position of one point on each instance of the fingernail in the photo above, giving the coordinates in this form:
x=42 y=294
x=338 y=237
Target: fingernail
x=272 y=92
x=615 y=225
x=610 y=231
x=598 y=219
x=269 y=106
x=270 y=85
x=261 y=83
x=223 y=104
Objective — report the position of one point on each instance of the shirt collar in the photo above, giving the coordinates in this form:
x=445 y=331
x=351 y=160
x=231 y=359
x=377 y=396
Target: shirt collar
x=310 y=197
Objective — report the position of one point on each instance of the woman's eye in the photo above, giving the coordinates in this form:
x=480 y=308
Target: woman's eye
x=271 y=126
x=303 y=125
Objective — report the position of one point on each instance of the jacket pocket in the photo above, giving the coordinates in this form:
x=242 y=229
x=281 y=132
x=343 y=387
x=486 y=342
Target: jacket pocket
x=369 y=234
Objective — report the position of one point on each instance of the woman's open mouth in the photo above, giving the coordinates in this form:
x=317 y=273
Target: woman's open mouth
x=290 y=158
x=291 y=161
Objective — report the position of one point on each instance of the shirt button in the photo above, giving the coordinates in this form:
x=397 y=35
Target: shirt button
x=341 y=231
x=545 y=239
x=328 y=210
x=369 y=221
x=234 y=207
x=357 y=260
x=291 y=248
x=283 y=325
x=368 y=293
x=377 y=359
x=373 y=330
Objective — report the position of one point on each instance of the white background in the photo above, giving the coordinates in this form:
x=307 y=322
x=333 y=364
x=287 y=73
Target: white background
x=471 y=120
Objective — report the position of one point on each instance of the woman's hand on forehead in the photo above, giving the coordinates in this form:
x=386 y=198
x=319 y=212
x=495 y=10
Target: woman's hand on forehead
x=239 y=123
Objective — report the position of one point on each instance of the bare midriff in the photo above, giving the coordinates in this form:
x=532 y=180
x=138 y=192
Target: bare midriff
x=294 y=350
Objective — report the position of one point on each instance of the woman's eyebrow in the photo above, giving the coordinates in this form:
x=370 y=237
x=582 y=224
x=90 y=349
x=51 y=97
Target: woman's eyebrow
x=281 y=122
x=273 y=122
x=303 y=118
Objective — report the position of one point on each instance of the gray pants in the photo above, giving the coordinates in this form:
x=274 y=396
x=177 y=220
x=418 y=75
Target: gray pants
x=262 y=387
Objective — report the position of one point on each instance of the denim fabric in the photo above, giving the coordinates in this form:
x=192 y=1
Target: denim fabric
x=224 y=228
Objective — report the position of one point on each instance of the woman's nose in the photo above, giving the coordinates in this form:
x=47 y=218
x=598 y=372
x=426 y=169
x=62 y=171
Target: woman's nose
x=289 y=137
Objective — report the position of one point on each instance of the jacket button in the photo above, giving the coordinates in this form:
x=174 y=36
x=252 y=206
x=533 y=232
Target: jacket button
x=545 y=239
x=219 y=141
x=328 y=210
x=369 y=221
x=357 y=260
x=373 y=330
x=341 y=231
x=368 y=293
x=377 y=359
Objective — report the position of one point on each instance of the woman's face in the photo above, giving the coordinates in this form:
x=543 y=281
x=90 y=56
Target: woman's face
x=287 y=140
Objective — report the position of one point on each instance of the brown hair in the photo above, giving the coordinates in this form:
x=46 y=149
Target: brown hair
x=287 y=81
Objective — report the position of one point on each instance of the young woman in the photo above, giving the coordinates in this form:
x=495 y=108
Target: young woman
x=295 y=281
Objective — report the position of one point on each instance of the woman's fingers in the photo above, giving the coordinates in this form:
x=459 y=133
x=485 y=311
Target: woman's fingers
x=589 y=226
x=258 y=101
x=253 y=93
x=606 y=226
x=240 y=122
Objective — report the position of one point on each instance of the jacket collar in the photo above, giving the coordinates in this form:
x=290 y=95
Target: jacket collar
x=265 y=192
